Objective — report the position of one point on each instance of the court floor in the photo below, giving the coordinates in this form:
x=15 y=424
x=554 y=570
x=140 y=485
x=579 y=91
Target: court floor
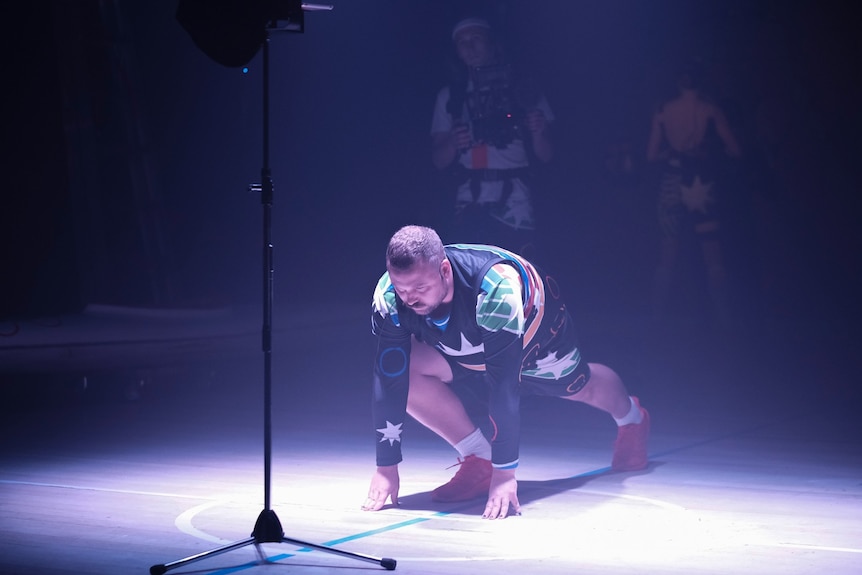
x=748 y=473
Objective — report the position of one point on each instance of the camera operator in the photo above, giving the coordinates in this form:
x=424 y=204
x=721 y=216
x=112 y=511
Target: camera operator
x=488 y=128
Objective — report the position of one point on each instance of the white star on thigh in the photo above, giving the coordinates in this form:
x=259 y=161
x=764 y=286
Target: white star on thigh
x=697 y=196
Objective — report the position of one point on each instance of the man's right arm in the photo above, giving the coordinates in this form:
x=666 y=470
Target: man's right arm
x=722 y=127
x=655 y=137
x=443 y=149
x=390 y=376
x=448 y=137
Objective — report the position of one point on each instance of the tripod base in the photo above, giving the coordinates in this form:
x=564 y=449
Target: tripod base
x=267 y=529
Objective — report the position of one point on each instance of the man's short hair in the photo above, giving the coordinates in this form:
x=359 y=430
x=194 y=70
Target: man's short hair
x=414 y=244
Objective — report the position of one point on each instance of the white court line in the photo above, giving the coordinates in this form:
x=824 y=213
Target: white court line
x=104 y=489
x=641 y=498
x=817 y=547
x=184 y=523
x=184 y=520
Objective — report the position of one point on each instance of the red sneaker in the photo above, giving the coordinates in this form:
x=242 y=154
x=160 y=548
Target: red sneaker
x=630 y=448
x=472 y=479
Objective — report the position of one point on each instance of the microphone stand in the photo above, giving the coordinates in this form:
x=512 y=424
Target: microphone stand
x=267 y=528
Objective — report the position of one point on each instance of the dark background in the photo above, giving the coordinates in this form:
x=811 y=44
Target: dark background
x=129 y=151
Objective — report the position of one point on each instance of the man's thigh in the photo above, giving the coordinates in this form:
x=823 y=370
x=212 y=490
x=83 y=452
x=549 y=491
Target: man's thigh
x=428 y=361
x=470 y=387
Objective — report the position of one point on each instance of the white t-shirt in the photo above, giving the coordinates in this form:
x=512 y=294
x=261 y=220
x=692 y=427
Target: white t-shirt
x=518 y=211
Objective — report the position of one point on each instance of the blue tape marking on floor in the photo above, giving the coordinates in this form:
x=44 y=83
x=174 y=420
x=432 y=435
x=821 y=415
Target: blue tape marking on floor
x=242 y=567
x=387 y=528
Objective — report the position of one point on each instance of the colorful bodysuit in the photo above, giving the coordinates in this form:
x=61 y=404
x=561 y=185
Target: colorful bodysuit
x=506 y=322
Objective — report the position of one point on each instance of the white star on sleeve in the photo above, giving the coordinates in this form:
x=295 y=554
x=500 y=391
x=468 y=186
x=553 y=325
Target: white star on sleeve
x=391 y=432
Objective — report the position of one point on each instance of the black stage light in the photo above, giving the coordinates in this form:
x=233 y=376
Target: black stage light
x=232 y=31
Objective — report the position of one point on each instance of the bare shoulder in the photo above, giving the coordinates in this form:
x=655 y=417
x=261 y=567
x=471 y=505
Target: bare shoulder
x=660 y=112
x=710 y=109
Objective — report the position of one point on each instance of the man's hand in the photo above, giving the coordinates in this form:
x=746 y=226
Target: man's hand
x=446 y=146
x=535 y=121
x=461 y=138
x=384 y=485
x=503 y=491
x=537 y=124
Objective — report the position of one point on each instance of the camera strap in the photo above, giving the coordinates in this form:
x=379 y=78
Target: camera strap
x=476 y=177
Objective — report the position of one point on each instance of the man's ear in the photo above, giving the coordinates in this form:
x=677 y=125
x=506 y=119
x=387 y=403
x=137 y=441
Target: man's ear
x=445 y=268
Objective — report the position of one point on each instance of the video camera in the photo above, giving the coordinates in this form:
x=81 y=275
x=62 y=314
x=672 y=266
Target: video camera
x=494 y=109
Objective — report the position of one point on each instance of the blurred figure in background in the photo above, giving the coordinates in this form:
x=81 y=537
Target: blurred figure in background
x=489 y=127
x=690 y=140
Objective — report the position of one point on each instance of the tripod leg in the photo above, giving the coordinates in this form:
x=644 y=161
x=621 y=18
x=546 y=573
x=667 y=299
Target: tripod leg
x=161 y=569
x=385 y=562
x=268 y=530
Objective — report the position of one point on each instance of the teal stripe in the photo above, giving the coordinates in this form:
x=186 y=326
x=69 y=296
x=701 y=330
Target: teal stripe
x=335 y=542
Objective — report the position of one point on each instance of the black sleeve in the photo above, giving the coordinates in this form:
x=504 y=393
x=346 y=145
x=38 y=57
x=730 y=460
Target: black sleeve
x=503 y=354
x=500 y=315
x=390 y=384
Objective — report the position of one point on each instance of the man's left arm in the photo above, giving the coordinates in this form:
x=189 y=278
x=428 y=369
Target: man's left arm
x=722 y=127
x=538 y=122
x=500 y=315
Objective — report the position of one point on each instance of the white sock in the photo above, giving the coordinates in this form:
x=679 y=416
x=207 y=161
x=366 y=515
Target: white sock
x=474 y=444
x=633 y=416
